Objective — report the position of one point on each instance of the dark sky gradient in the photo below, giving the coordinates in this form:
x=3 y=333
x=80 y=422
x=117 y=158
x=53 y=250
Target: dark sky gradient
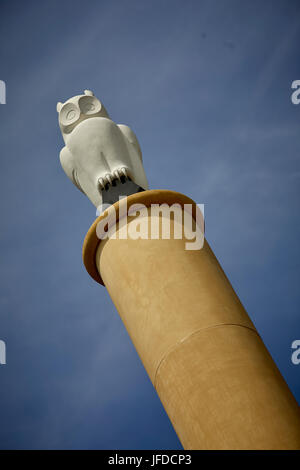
x=206 y=86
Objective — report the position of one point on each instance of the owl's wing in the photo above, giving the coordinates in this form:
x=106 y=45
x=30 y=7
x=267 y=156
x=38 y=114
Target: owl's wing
x=131 y=137
x=139 y=176
x=66 y=161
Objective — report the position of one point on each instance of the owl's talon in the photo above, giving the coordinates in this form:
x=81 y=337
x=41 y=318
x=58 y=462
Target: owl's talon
x=124 y=175
x=124 y=171
x=101 y=183
x=116 y=174
x=108 y=178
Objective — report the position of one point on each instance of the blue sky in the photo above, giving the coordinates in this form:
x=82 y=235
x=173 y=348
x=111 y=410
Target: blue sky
x=206 y=86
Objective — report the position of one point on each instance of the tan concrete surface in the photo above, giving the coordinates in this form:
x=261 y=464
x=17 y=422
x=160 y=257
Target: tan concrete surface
x=212 y=372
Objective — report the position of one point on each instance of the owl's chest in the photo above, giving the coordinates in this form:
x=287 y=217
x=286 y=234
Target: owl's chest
x=92 y=137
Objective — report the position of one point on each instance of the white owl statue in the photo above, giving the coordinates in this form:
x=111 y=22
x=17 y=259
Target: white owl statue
x=101 y=158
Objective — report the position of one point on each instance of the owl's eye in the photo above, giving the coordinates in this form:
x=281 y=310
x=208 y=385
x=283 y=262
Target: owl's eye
x=89 y=105
x=69 y=114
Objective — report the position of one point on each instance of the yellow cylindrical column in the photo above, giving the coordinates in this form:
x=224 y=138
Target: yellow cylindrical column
x=212 y=372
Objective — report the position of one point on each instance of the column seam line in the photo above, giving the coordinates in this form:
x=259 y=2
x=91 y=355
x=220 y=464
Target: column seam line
x=183 y=340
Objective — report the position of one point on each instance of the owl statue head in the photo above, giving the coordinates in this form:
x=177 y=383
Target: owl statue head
x=77 y=109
